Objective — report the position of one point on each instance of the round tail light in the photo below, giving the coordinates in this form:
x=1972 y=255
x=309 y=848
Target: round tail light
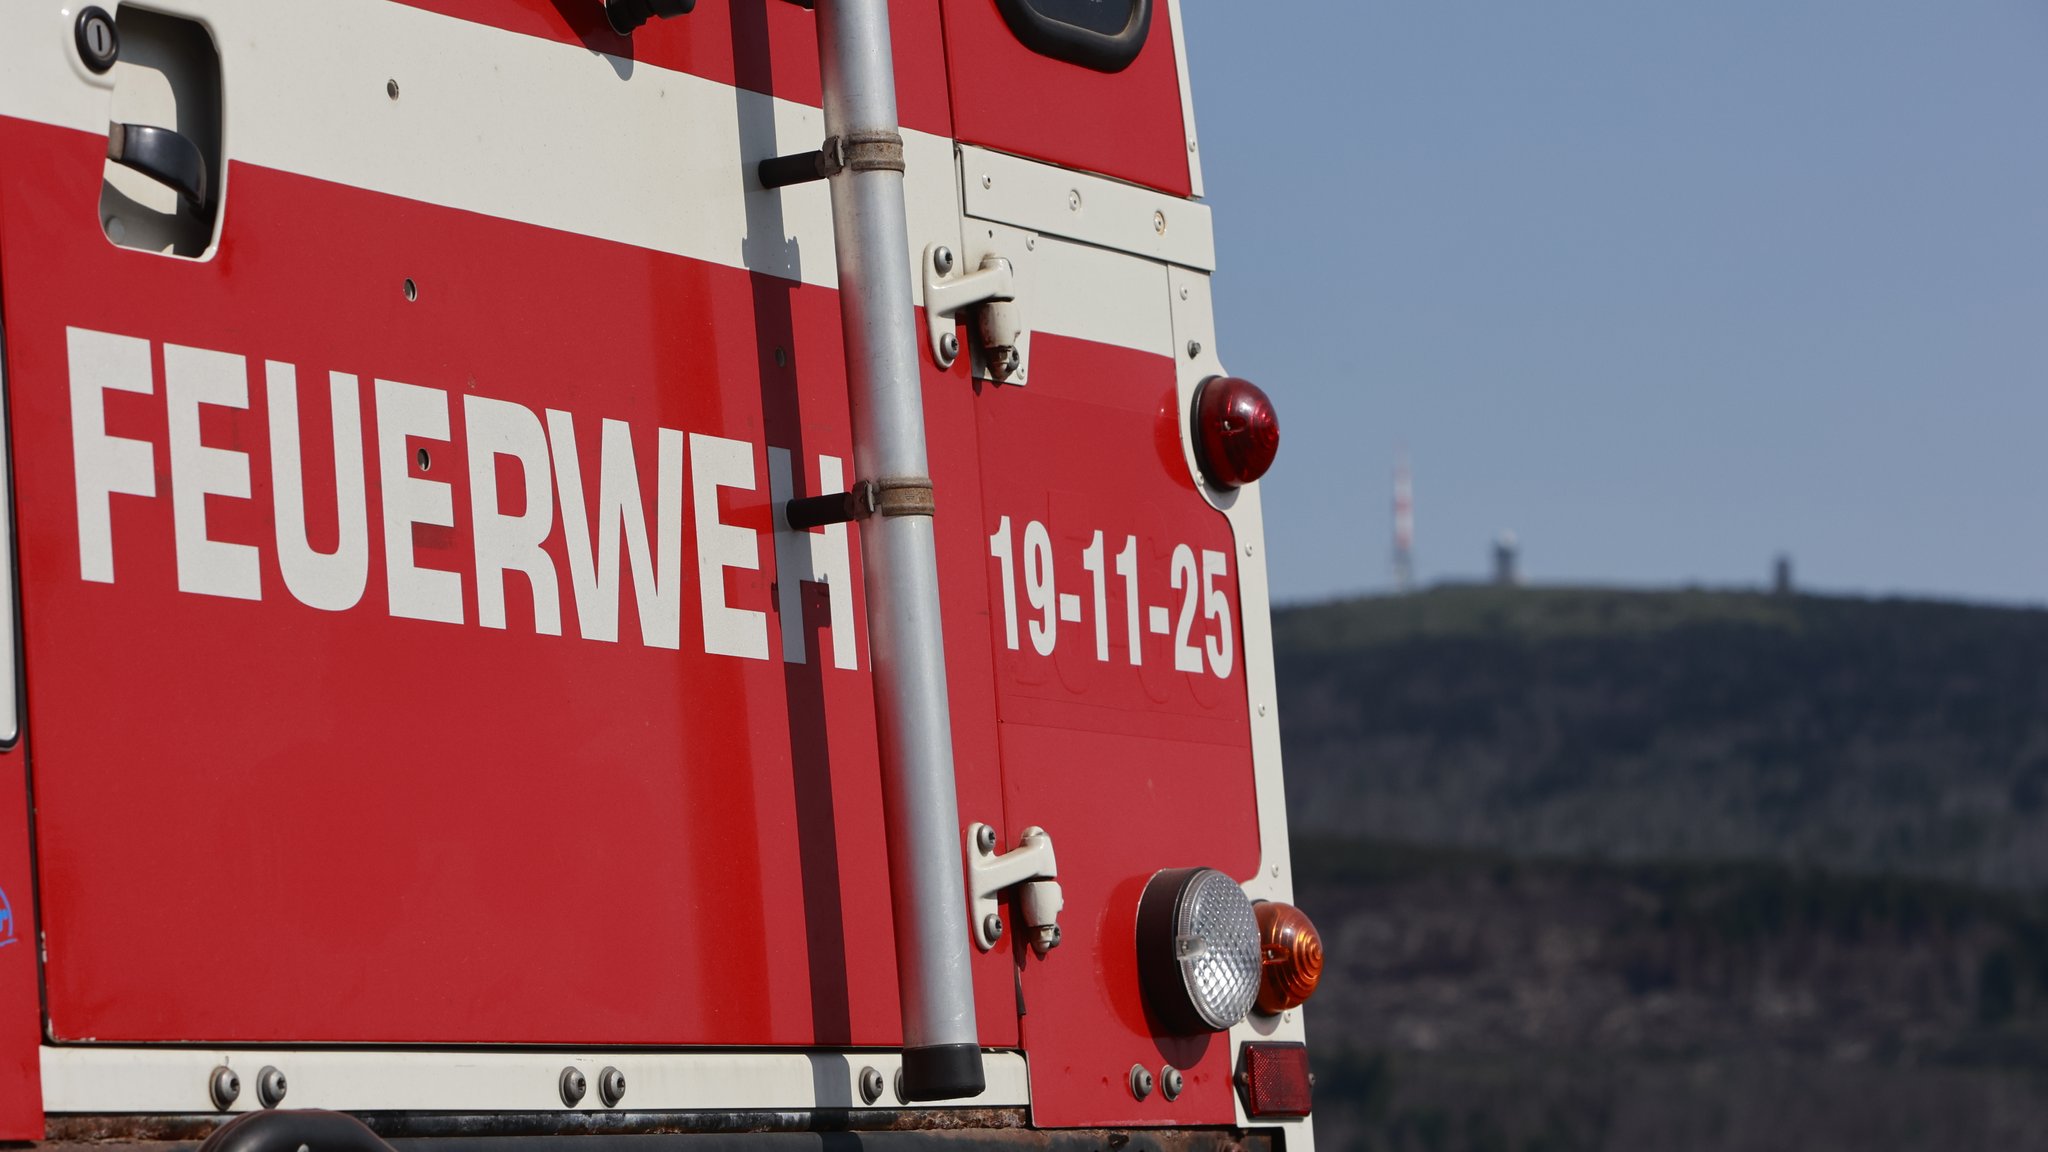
x=1236 y=431
x=1290 y=956
x=1198 y=950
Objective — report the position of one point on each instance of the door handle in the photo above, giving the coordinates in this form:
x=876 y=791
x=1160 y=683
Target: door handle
x=162 y=154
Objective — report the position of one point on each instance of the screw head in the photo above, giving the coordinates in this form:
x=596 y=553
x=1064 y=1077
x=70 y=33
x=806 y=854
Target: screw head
x=573 y=1086
x=870 y=1084
x=1004 y=361
x=611 y=1086
x=949 y=347
x=987 y=181
x=224 y=1087
x=985 y=840
x=391 y=89
x=99 y=43
x=942 y=259
x=1141 y=1081
x=992 y=926
x=1194 y=349
x=1171 y=1082
x=270 y=1087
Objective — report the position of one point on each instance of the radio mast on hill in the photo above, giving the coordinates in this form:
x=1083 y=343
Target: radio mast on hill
x=1404 y=525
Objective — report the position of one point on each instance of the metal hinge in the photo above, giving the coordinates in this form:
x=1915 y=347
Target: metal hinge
x=989 y=291
x=1031 y=870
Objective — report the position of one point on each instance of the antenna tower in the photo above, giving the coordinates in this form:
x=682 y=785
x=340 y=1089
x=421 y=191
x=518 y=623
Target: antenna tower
x=1404 y=525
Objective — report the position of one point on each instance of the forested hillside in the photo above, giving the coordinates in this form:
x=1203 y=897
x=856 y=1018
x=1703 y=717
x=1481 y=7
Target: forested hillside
x=1604 y=869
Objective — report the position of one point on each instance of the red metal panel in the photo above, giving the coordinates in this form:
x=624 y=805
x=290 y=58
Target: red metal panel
x=1130 y=768
x=21 y=1006
x=361 y=827
x=761 y=45
x=1124 y=124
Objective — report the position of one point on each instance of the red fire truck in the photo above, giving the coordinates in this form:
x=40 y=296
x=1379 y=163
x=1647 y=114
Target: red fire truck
x=613 y=571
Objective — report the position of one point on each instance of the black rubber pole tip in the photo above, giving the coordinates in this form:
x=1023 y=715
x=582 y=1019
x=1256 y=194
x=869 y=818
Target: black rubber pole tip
x=942 y=1072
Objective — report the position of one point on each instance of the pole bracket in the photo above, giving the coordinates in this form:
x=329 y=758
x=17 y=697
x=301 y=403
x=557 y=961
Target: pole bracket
x=890 y=496
x=854 y=152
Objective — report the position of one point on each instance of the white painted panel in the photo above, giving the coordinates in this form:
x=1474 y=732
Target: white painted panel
x=1094 y=210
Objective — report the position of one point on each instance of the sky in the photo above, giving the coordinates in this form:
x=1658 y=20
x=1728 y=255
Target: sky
x=1665 y=289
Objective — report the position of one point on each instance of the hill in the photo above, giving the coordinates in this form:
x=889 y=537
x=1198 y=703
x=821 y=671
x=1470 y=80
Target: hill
x=1693 y=870
x=1856 y=735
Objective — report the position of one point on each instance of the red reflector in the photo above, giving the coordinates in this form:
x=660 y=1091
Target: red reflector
x=1275 y=1080
x=1236 y=431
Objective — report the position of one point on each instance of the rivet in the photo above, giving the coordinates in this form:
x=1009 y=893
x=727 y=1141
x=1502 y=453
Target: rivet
x=1141 y=1081
x=1073 y=199
x=412 y=290
x=224 y=1087
x=611 y=1087
x=986 y=181
x=1183 y=292
x=1262 y=709
x=1159 y=222
x=1171 y=1082
x=782 y=357
x=1031 y=243
x=1191 y=146
x=870 y=1084
x=270 y=1087
x=391 y=89
x=1247 y=549
x=573 y=1086
x=1194 y=349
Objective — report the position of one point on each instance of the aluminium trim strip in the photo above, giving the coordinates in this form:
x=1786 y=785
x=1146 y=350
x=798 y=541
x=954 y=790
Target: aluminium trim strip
x=105 y=1080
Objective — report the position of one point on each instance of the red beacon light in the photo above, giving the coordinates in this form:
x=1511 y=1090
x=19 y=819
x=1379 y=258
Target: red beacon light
x=1236 y=431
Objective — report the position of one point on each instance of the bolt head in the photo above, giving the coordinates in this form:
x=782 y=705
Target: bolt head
x=1141 y=1081
x=611 y=1086
x=225 y=1087
x=270 y=1087
x=992 y=926
x=870 y=1084
x=985 y=839
x=573 y=1086
x=1171 y=1082
x=949 y=347
x=942 y=259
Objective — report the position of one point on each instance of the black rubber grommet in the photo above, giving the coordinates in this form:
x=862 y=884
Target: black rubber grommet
x=942 y=1072
x=99 y=41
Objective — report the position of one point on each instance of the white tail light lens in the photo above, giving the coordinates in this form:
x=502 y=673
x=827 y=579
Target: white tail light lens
x=1198 y=949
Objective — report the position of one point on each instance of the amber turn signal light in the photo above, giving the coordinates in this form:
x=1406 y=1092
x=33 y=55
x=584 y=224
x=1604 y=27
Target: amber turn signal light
x=1290 y=956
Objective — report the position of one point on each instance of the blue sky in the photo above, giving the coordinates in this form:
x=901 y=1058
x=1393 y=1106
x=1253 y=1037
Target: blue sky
x=1663 y=288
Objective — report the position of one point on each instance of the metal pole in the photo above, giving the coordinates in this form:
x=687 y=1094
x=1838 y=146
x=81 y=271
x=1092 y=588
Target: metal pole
x=942 y=1053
